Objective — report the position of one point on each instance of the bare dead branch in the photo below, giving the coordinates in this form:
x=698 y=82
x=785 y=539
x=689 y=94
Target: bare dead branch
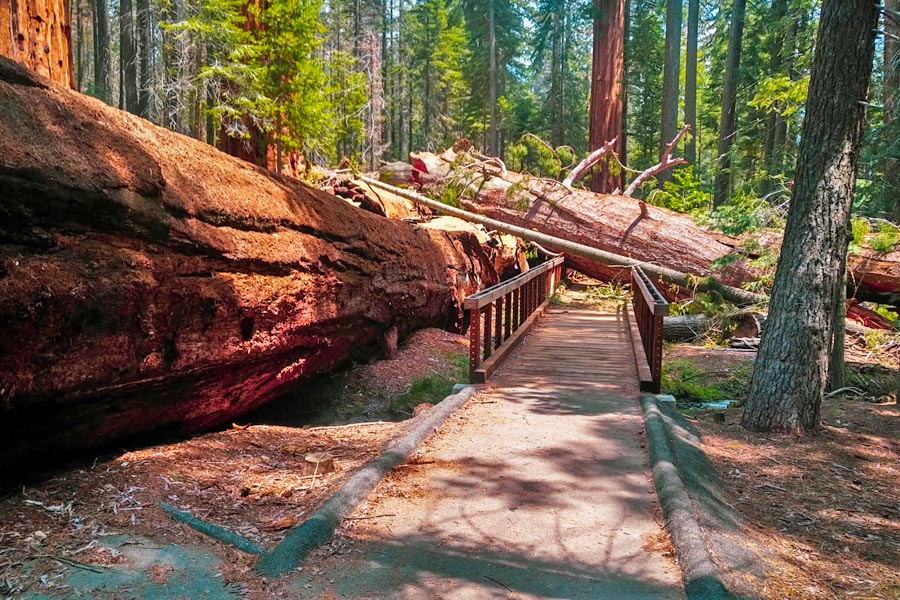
x=666 y=162
x=592 y=159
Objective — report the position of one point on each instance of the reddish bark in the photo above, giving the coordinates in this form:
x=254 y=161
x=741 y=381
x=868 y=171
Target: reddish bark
x=37 y=34
x=150 y=281
x=618 y=224
x=607 y=74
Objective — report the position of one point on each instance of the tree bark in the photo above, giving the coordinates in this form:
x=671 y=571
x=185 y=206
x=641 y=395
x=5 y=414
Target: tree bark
x=891 y=98
x=671 y=76
x=620 y=225
x=494 y=129
x=101 y=50
x=607 y=74
x=690 y=81
x=143 y=36
x=727 y=128
x=37 y=34
x=149 y=281
x=788 y=383
x=128 y=56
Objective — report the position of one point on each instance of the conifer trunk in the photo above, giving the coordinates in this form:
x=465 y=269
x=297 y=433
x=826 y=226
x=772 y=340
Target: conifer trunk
x=607 y=74
x=37 y=34
x=727 y=128
x=789 y=380
x=690 y=80
x=671 y=74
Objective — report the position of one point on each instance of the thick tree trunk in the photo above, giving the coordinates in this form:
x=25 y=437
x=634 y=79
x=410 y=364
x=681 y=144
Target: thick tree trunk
x=607 y=74
x=149 y=281
x=37 y=34
x=128 y=56
x=791 y=372
x=101 y=50
x=671 y=77
x=690 y=81
x=727 y=129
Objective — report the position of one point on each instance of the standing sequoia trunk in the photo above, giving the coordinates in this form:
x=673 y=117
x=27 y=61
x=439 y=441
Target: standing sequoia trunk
x=150 y=281
x=791 y=371
x=38 y=35
x=607 y=74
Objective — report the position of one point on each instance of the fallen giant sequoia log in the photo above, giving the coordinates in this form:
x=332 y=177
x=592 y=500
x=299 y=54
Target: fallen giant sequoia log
x=622 y=225
x=149 y=281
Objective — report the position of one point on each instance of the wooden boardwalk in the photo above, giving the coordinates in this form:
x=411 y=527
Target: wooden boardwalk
x=574 y=347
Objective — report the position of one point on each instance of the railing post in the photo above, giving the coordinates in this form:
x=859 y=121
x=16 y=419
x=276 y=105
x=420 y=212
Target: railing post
x=474 y=345
x=498 y=322
x=488 y=337
x=507 y=304
x=657 y=351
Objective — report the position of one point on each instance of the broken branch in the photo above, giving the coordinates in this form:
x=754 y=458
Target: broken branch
x=592 y=159
x=666 y=162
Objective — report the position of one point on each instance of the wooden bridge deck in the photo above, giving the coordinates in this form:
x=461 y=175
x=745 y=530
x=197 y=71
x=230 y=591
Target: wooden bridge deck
x=574 y=347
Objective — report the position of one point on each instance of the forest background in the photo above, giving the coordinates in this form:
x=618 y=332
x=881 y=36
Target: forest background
x=276 y=80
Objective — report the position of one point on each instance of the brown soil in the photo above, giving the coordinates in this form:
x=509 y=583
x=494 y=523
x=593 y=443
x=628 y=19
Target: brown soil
x=823 y=509
x=247 y=479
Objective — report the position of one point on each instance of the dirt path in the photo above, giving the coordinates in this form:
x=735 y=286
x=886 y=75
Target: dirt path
x=535 y=489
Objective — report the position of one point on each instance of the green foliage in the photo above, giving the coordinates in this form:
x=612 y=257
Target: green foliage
x=431 y=388
x=687 y=383
x=887 y=238
x=781 y=95
x=684 y=193
x=535 y=156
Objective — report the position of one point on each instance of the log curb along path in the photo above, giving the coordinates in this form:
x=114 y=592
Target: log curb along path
x=696 y=516
x=320 y=527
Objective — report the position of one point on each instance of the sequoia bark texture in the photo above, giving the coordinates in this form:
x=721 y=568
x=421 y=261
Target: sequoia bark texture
x=37 y=34
x=149 y=281
x=791 y=371
x=607 y=75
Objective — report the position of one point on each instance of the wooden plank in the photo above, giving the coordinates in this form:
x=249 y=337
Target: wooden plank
x=481 y=374
x=487 y=296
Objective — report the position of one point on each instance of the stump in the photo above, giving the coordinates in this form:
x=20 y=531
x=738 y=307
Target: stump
x=318 y=463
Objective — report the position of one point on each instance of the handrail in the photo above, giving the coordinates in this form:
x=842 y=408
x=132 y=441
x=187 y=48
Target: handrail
x=488 y=295
x=500 y=315
x=649 y=306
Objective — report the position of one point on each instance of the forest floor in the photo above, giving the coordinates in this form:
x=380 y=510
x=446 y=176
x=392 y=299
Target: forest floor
x=823 y=510
x=248 y=479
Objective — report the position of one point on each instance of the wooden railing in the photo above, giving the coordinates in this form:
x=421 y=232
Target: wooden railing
x=649 y=307
x=499 y=316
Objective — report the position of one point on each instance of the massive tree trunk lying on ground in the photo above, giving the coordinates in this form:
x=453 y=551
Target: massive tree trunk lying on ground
x=149 y=281
x=624 y=226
